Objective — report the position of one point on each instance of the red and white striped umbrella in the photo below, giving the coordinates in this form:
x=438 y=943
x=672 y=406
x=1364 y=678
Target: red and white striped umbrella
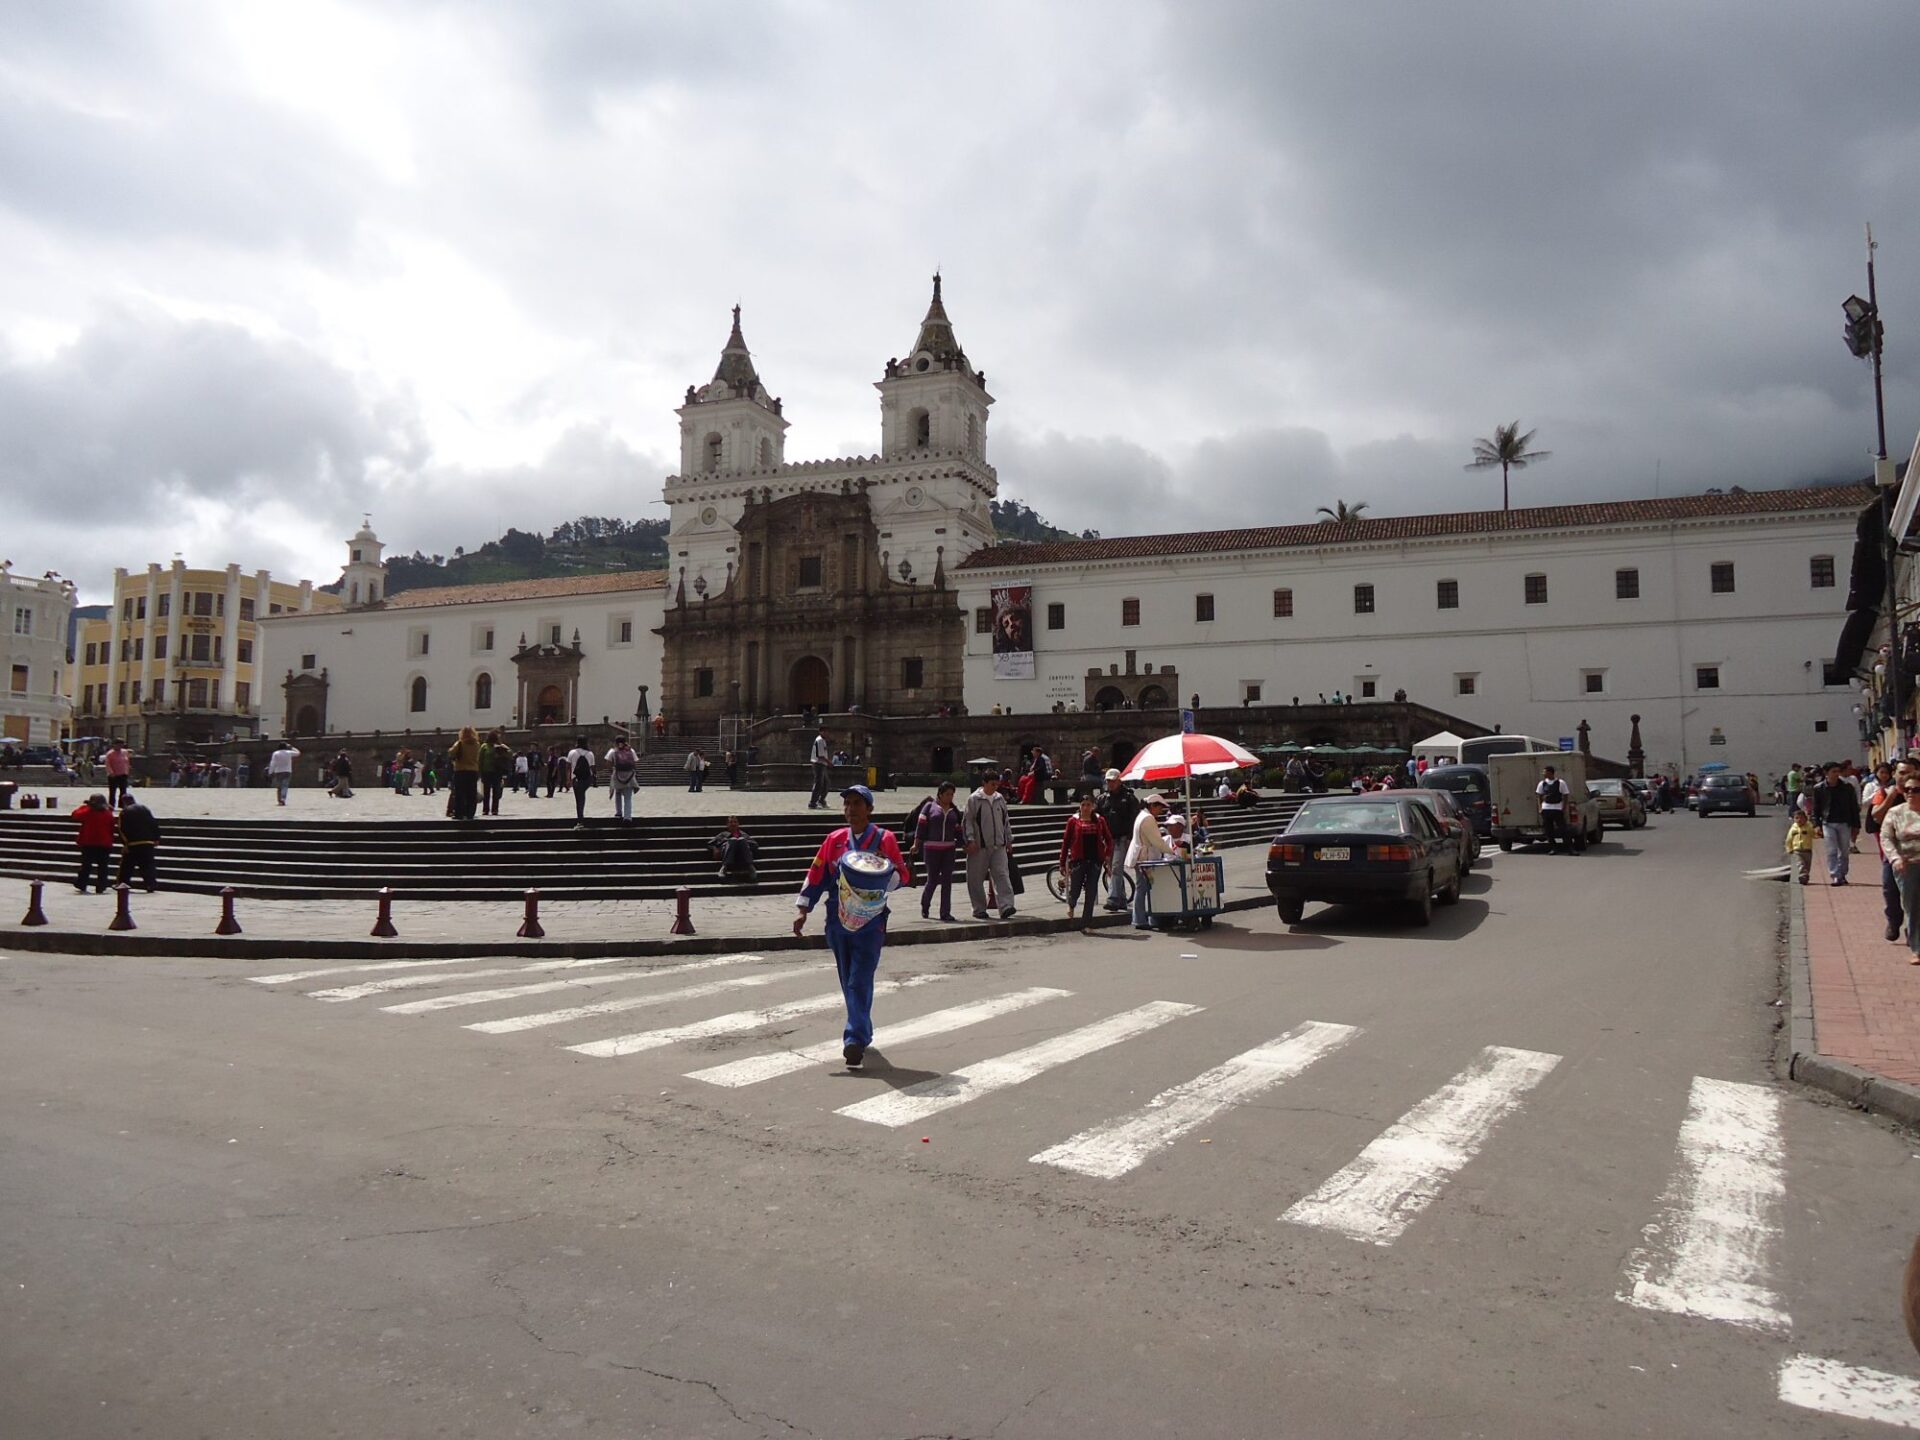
x=1176 y=757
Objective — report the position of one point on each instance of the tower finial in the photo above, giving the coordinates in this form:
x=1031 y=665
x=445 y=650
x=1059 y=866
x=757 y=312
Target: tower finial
x=936 y=283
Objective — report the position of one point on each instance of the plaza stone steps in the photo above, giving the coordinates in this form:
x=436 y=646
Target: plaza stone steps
x=496 y=859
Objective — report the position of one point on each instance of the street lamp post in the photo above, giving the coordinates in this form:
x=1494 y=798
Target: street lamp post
x=1866 y=337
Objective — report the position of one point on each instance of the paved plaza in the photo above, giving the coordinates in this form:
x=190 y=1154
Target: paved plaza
x=1527 y=1172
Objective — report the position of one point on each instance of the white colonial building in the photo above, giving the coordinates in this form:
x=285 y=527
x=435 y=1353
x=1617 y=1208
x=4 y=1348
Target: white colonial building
x=1712 y=617
x=872 y=581
x=38 y=615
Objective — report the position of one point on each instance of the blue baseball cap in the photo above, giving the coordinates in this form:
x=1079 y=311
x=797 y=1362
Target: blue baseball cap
x=858 y=792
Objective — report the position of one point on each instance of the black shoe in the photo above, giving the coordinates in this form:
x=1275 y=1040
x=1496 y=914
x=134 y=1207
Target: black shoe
x=1893 y=930
x=979 y=914
x=855 y=1056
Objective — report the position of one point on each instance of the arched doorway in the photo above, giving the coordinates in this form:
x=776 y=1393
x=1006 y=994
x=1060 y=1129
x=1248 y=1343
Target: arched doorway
x=551 y=705
x=1111 y=697
x=1120 y=751
x=1152 y=697
x=807 y=684
x=307 y=722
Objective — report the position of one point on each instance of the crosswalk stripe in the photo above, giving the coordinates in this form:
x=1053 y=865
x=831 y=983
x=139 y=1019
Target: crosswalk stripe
x=1388 y=1184
x=733 y=1024
x=513 y=1024
x=358 y=969
x=755 y=1068
x=415 y=982
x=1709 y=1252
x=943 y=1092
x=549 y=987
x=1826 y=1385
x=1109 y=1151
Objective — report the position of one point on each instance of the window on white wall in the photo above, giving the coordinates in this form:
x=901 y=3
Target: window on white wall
x=1466 y=684
x=1593 y=682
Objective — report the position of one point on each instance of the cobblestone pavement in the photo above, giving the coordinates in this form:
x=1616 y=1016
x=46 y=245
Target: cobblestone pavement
x=1866 y=997
x=747 y=917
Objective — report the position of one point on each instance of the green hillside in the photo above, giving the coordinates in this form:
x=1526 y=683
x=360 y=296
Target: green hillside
x=597 y=544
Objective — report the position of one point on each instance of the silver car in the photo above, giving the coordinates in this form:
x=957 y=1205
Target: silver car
x=1620 y=804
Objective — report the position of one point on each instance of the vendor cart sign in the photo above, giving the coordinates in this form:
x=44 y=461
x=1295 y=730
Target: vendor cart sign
x=1203 y=887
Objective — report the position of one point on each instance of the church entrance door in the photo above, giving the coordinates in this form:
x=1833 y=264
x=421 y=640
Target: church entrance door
x=551 y=706
x=808 y=684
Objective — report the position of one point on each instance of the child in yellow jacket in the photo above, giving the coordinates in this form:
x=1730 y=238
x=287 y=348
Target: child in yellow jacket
x=1800 y=844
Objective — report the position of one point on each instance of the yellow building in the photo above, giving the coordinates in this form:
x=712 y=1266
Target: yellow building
x=178 y=659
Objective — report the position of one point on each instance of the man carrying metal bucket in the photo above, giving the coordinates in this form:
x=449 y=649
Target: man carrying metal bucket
x=857 y=867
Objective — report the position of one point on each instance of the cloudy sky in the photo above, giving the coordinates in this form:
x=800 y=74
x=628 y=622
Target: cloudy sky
x=270 y=265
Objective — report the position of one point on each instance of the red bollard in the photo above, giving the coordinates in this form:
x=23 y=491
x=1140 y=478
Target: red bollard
x=682 y=912
x=383 y=927
x=228 y=925
x=530 y=928
x=123 y=915
x=35 y=915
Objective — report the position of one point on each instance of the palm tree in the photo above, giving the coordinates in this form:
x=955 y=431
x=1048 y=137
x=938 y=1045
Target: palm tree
x=1341 y=513
x=1508 y=450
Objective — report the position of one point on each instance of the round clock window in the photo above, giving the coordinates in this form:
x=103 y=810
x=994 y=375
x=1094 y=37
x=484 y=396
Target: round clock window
x=709 y=515
x=915 y=495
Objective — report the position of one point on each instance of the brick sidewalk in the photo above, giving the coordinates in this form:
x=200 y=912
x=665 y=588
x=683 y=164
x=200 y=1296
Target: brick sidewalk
x=1866 y=997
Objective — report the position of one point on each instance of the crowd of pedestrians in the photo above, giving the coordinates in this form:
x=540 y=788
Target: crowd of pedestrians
x=1832 y=805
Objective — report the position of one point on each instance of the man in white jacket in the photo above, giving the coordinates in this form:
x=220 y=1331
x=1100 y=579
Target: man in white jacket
x=989 y=849
x=1149 y=844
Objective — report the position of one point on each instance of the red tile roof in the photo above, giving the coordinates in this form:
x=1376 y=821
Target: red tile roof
x=560 y=586
x=1423 y=527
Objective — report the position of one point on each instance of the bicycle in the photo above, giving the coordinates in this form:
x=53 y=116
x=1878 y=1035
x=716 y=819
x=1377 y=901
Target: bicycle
x=1057 y=886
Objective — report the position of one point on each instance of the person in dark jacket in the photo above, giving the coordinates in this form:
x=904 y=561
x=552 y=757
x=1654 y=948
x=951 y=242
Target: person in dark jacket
x=1836 y=810
x=1119 y=807
x=95 y=839
x=939 y=830
x=139 y=843
x=735 y=849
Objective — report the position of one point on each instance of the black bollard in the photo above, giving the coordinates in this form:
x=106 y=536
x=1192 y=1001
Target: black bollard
x=35 y=915
x=123 y=913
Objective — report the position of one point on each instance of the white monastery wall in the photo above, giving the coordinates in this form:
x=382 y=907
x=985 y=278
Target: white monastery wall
x=1534 y=668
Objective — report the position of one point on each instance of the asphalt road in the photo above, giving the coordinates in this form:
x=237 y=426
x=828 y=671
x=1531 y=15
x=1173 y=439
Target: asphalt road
x=230 y=1209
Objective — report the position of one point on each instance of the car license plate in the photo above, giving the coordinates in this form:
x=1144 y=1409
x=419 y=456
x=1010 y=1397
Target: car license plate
x=1334 y=852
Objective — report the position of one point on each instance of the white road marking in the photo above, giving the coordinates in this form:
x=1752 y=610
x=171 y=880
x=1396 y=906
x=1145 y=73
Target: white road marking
x=1109 y=1151
x=361 y=969
x=515 y=1023
x=548 y=987
x=1710 y=1251
x=732 y=1024
x=1388 y=1184
x=415 y=982
x=943 y=1092
x=1836 y=1389
x=755 y=1068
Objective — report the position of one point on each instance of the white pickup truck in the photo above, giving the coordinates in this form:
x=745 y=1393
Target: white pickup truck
x=1514 y=780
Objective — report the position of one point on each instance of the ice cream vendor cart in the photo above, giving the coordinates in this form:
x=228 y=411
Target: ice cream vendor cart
x=1185 y=892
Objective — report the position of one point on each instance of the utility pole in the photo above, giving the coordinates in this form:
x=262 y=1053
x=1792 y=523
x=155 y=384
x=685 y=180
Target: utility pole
x=1866 y=338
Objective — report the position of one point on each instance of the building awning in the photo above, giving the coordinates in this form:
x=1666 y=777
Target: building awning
x=1866 y=589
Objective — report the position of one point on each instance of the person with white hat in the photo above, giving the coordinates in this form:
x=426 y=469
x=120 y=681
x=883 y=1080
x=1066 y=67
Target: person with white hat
x=1148 y=846
x=851 y=869
x=1119 y=807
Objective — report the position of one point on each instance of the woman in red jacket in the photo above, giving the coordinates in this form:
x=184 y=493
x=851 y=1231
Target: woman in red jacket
x=95 y=840
x=1086 y=853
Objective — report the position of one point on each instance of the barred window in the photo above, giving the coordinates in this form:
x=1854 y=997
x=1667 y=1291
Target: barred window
x=1283 y=604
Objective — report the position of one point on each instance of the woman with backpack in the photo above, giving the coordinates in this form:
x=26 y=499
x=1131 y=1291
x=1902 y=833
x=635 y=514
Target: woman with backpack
x=579 y=763
x=625 y=777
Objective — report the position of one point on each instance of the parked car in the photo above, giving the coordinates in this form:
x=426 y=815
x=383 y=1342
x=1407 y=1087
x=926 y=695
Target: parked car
x=1471 y=790
x=1374 y=849
x=1725 y=792
x=1620 y=803
x=1454 y=819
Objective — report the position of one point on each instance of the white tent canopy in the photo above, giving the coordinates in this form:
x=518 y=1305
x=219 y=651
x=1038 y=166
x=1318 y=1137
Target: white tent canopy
x=1445 y=745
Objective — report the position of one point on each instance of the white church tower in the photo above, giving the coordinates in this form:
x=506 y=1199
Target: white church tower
x=364 y=581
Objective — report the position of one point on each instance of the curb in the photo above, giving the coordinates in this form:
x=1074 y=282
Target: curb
x=1805 y=1064
x=60 y=942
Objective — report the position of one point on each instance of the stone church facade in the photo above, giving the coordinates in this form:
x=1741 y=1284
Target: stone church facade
x=825 y=584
